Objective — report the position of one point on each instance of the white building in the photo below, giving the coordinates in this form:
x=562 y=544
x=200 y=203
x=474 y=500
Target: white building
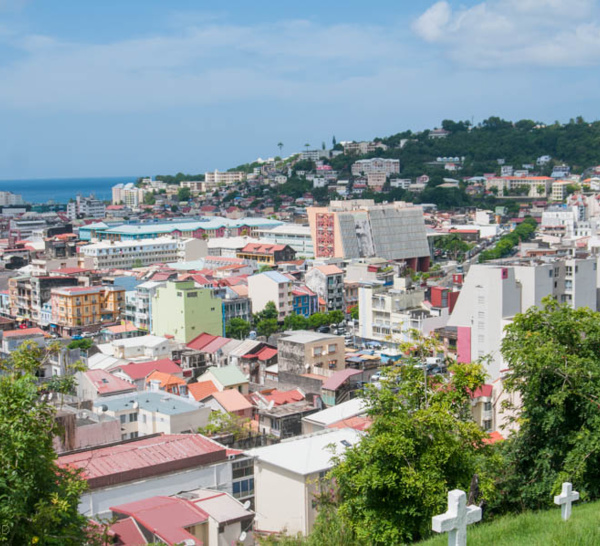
x=216 y=177
x=328 y=282
x=141 y=252
x=288 y=475
x=376 y=165
x=86 y=207
x=8 y=198
x=271 y=286
x=128 y=194
x=295 y=235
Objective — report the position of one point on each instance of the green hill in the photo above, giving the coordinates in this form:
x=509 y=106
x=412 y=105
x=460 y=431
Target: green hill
x=536 y=529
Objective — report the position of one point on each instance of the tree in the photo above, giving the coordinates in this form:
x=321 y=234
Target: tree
x=335 y=317
x=421 y=444
x=149 y=198
x=137 y=263
x=317 y=319
x=280 y=146
x=295 y=322
x=453 y=245
x=269 y=312
x=184 y=194
x=83 y=344
x=237 y=328
x=333 y=142
x=267 y=327
x=39 y=499
x=222 y=423
x=354 y=313
x=265 y=267
x=554 y=356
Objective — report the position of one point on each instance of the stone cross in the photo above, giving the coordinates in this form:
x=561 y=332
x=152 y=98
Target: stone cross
x=565 y=499
x=455 y=520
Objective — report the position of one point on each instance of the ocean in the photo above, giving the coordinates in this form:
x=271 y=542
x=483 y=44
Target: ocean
x=60 y=190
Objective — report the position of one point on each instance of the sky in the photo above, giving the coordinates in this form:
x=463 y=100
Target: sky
x=146 y=87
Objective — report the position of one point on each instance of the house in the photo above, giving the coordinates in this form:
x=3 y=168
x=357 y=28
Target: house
x=136 y=372
x=267 y=254
x=147 y=412
x=160 y=381
x=327 y=281
x=341 y=386
x=146 y=347
x=230 y=401
x=328 y=417
x=289 y=474
x=95 y=384
x=121 y=331
x=284 y=420
x=163 y=464
x=200 y=517
x=227 y=377
x=12 y=339
x=83 y=428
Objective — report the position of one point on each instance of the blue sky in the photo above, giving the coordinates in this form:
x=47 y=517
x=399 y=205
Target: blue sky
x=124 y=87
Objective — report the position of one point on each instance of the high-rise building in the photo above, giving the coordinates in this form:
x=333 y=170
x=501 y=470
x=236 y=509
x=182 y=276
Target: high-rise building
x=362 y=229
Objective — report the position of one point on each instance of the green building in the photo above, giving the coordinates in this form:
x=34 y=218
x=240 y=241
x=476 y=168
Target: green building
x=184 y=311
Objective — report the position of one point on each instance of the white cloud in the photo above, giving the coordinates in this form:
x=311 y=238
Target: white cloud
x=496 y=33
x=196 y=65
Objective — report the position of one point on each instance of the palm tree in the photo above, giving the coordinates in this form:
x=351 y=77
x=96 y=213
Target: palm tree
x=280 y=146
x=307 y=146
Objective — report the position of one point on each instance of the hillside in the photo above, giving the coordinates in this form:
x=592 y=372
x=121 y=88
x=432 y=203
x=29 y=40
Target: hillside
x=536 y=529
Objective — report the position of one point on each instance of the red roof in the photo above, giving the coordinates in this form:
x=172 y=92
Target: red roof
x=266 y=353
x=201 y=390
x=166 y=379
x=231 y=400
x=208 y=343
x=71 y=270
x=25 y=332
x=166 y=517
x=284 y=397
x=339 y=378
x=140 y=370
x=127 y=533
x=106 y=383
x=484 y=390
x=357 y=423
x=143 y=458
x=257 y=248
x=494 y=437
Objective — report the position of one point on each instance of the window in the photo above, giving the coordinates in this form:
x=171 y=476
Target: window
x=192 y=294
x=487 y=424
x=332 y=348
x=317 y=351
x=487 y=406
x=123 y=419
x=133 y=417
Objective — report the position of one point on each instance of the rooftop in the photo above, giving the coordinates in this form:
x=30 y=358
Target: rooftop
x=158 y=402
x=24 y=332
x=308 y=336
x=106 y=383
x=308 y=454
x=140 y=370
x=231 y=400
x=345 y=410
x=228 y=376
x=202 y=389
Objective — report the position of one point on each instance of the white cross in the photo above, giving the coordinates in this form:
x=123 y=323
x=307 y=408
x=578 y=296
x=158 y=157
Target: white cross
x=565 y=499
x=455 y=520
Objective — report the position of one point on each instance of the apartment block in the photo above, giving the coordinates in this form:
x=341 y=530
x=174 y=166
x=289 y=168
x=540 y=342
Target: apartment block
x=306 y=352
x=267 y=254
x=328 y=282
x=271 y=286
x=363 y=147
x=79 y=307
x=128 y=194
x=184 y=311
x=213 y=178
x=128 y=254
x=86 y=207
x=532 y=186
x=376 y=165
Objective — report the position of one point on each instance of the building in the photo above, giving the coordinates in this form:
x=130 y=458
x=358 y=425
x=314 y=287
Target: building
x=148 y=412
x=376 y=181
x=128 y=194
x=159 y=465
x=361 y=229
x=284 y=420
x=230 y=401
x=328 y=283
x=139 y=304
x=86 y=207
x=202 y=517
x=143 y=347
x=326 y=418
x=362 y=148
x=295 y=235
x=225 y=378
x=531 y=186
x=289 y=475
x=376 y=165
x=129 y=254
x=13 y=339
x=305 y=302
x=83 y=307
x=271 y=286
x=559 y=190
x=184 y=311
x=306 y=352
x=493 y=294
x=267 y=254
x=214 y=178
x=99 y=384
x=137 y=372
x=10 y=199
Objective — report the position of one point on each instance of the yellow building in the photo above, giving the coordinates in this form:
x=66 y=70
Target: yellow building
x=82 y=307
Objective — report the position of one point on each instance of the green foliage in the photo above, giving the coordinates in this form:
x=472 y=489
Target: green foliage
x=453 y=245
x=267 y=327
x=554 y=357
x=178 y=178
x=83 y=344
x=335 y=317
x=507 y=243
x=421 y=444
x=39 y=500
x=137 y=263
x=222 y=423
x=149 y=198
x=265 y=267
x=237 y=328
x=295 y=322
x=354 y=312
x=269 y=312
x=184 y=194
x=318 y=319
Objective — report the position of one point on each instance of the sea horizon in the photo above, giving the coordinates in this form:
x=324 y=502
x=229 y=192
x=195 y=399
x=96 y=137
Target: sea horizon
x=61 y=189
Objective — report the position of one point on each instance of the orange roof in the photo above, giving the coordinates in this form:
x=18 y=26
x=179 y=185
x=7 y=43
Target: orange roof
x=357 y=422
x=24 y=332
x=494 y=437
x=329 y=269
x=232 y=400
x=166 y=379
x=201 y=390
x=122 y=328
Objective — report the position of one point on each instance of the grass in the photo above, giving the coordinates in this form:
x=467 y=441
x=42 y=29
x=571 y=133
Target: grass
x=535 y=529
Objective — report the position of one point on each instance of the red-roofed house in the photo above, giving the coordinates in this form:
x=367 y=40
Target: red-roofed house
x=136 y=372
x=166 y=464
x=201 y=517
x=160 y=381
x=268 y=254
x=94 y=384
x=339 y=385
x=201 y=390
x=230 y=401
x=12 y=339
x=121 y=331
x=482 y=406
x=126 y=532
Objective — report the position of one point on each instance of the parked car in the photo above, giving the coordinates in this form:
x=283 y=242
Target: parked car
x=323 y=329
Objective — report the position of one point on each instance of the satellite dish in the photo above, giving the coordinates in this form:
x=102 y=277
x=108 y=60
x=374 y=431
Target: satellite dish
x=136 y=405
x=243 y=536
x=246 y=506
x=104 y=407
